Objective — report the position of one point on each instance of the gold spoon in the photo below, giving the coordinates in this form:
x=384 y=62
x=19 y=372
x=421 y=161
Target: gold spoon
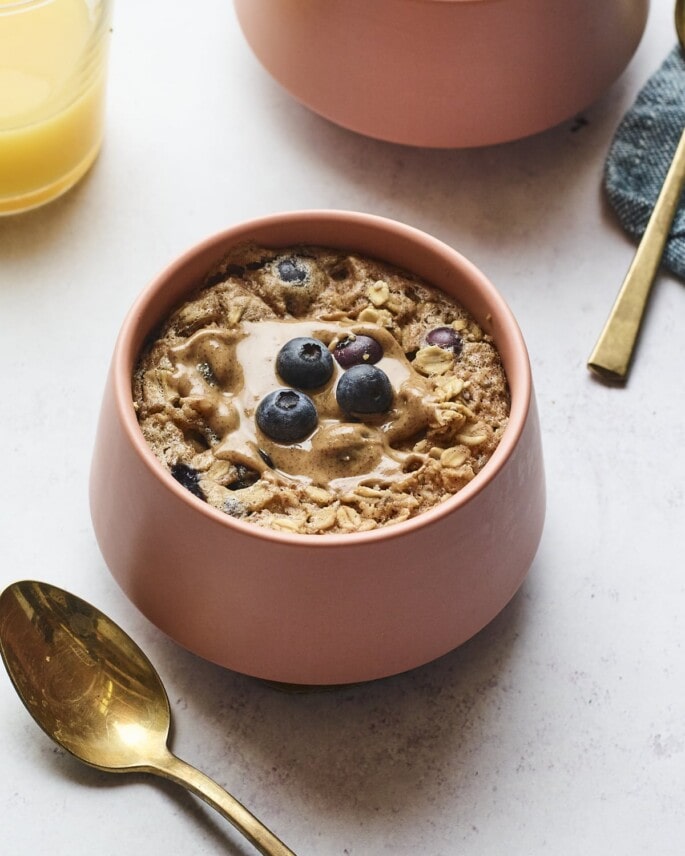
x=613 y=352
x=93 y=691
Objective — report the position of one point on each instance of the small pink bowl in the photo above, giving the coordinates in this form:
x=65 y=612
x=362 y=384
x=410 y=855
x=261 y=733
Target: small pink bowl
x=444 y=73
x=318 y=609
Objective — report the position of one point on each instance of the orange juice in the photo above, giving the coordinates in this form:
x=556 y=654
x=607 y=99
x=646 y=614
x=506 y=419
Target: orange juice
x=52 y=79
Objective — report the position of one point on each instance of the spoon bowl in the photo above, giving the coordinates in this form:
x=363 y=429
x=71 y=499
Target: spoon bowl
x=95 y=693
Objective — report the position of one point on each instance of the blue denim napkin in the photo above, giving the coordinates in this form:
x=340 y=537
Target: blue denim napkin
x=641 y=152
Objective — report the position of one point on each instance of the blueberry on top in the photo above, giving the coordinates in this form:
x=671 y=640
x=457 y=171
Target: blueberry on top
x=292 y=270
x=189 y=477
x=446 y=338
x=357 y=350
x=245 y=477
x=364 y=389
x=286 y=415
x=304 y=362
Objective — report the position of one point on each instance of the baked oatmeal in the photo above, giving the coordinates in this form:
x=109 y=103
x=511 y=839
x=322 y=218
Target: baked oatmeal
x=314 y=390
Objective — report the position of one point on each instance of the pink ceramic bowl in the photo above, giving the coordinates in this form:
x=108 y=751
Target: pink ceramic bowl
x=446 y=73
x=318 y=609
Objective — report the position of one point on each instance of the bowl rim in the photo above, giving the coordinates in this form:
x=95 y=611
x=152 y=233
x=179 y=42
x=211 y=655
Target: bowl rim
x=131 y=338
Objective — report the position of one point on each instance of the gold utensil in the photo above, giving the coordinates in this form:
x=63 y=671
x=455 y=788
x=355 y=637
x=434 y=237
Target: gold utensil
x=93 y=691
x=613 y=352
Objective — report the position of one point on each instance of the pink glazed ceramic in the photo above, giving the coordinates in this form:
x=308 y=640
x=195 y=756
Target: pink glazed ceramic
x=318 y=609
x=444 y=73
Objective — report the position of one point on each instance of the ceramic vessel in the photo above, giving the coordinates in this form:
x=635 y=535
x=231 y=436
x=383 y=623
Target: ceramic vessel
x=444 y=73
x=318 y=609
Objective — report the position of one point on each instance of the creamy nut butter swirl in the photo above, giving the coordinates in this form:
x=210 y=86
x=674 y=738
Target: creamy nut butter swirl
x=202 y=389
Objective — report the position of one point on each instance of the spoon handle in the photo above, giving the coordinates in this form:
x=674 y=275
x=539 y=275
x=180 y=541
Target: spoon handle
x=173 y=768
x=612 y=354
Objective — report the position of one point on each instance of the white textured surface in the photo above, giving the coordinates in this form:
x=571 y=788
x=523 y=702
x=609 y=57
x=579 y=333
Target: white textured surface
x=560 y=728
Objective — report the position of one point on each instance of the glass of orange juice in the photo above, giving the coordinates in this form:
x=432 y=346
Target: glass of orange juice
x=53 y=60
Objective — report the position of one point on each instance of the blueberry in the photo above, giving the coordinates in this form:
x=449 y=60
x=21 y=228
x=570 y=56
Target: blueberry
x=363 y=390
x=446 y=338
x=189 y=477
x=245 y=477
x=286 y=415
x=357 y=350
x=306 y=363
x=292 y=270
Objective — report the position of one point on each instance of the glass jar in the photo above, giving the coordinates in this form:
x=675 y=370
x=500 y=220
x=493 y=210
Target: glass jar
x=53 y=63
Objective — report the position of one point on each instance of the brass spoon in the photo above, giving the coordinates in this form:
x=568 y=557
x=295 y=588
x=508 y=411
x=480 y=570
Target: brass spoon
x=93 y=691
x=613 y=352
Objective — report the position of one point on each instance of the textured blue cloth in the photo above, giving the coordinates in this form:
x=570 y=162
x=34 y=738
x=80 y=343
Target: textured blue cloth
x=641 y=153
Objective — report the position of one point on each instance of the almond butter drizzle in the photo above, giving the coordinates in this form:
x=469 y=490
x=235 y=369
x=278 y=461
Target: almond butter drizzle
x=226 y=373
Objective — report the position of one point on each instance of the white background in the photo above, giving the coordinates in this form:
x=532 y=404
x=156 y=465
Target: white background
x=560 y=728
